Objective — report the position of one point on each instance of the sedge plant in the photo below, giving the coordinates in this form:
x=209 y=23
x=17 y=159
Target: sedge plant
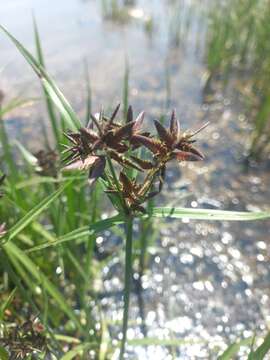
x=114 y=144
x=106 y=149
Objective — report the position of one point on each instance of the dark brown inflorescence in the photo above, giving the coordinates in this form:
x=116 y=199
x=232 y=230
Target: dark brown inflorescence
x=90 y=150
x=24 y=340
x=47 y=163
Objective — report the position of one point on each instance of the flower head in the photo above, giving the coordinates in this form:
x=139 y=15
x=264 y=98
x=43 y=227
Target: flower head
x=47 y=163
x=89 y=148
x=131 y=192
x=104 y=139
x=171 y=144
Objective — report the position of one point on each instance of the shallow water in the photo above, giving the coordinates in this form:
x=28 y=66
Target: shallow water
x=207 y=282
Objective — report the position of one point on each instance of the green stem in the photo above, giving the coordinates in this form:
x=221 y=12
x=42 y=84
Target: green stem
x=121 y=198
x=128 y=278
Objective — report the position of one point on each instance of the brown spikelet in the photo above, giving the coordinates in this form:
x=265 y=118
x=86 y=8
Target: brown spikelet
x=96 y=170
x=186 y=156
x=82 y=164
x=129 y=114
x=127 y=184
x=124 y=131
x=195 y=151
x=174 y=125
x=125 y=162
x=164 y=134
x=144 y=164
x=152 y=144
x=89 y=135
x=115 y=113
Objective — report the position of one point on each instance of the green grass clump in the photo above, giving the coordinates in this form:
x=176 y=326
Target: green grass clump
x=116 y=10
x=238 y=41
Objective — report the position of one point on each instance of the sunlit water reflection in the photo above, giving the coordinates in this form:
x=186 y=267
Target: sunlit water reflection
x=207 y=283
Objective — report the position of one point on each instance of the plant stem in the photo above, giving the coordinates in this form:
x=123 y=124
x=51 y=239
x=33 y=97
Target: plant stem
x=128 y=278
x=122 y=200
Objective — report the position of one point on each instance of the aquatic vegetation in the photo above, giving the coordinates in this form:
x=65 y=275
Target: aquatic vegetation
x=116 y=10
x=124 y=12
x=54 y=217
x=238 y=42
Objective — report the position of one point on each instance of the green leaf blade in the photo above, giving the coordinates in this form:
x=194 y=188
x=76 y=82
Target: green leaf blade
x=205 y=214
x=53 y=91
x=83 y=232
x=36 y=211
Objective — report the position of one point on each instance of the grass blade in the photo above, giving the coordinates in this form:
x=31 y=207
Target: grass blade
x=12 y=250
x=81 y=233
x=78 y=350
x=126 y=89
x=6 y=304
x=88 y=94
x=15 y=103
x=36 y=211
x=128 y=277
x=49 y=85
x=262 y=350
x=206 y=214
x=4 y=355
x=172 y=342
x=49 y=103
x=234 y=348
x=29 y=157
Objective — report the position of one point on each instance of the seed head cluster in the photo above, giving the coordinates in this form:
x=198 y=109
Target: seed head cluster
x=105 y=140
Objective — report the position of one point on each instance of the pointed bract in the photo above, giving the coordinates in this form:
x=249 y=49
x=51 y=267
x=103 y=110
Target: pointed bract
x=193 y=133
x=89 y=135
x=144 y=164
x=195 y=151
x=115 y=113
x=96 y=170
x=138 y=123
x=152 y=144
x=124 y=131
x=127 y=184
x=163 y=133
x=174 y=126
x=82 y=164
x=186 y=156
x=129 y=114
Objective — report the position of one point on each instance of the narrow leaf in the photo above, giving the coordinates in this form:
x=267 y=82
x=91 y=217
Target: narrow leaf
x=205 y=214
x=36 y=211
x=49 y=104
x=78 y=350
x=12 y=250
x=4 y=355
x=15 y=103
x=263 y=349
x=52 y=90
x=81 y=233
x=6 y=304
x=233 y=349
